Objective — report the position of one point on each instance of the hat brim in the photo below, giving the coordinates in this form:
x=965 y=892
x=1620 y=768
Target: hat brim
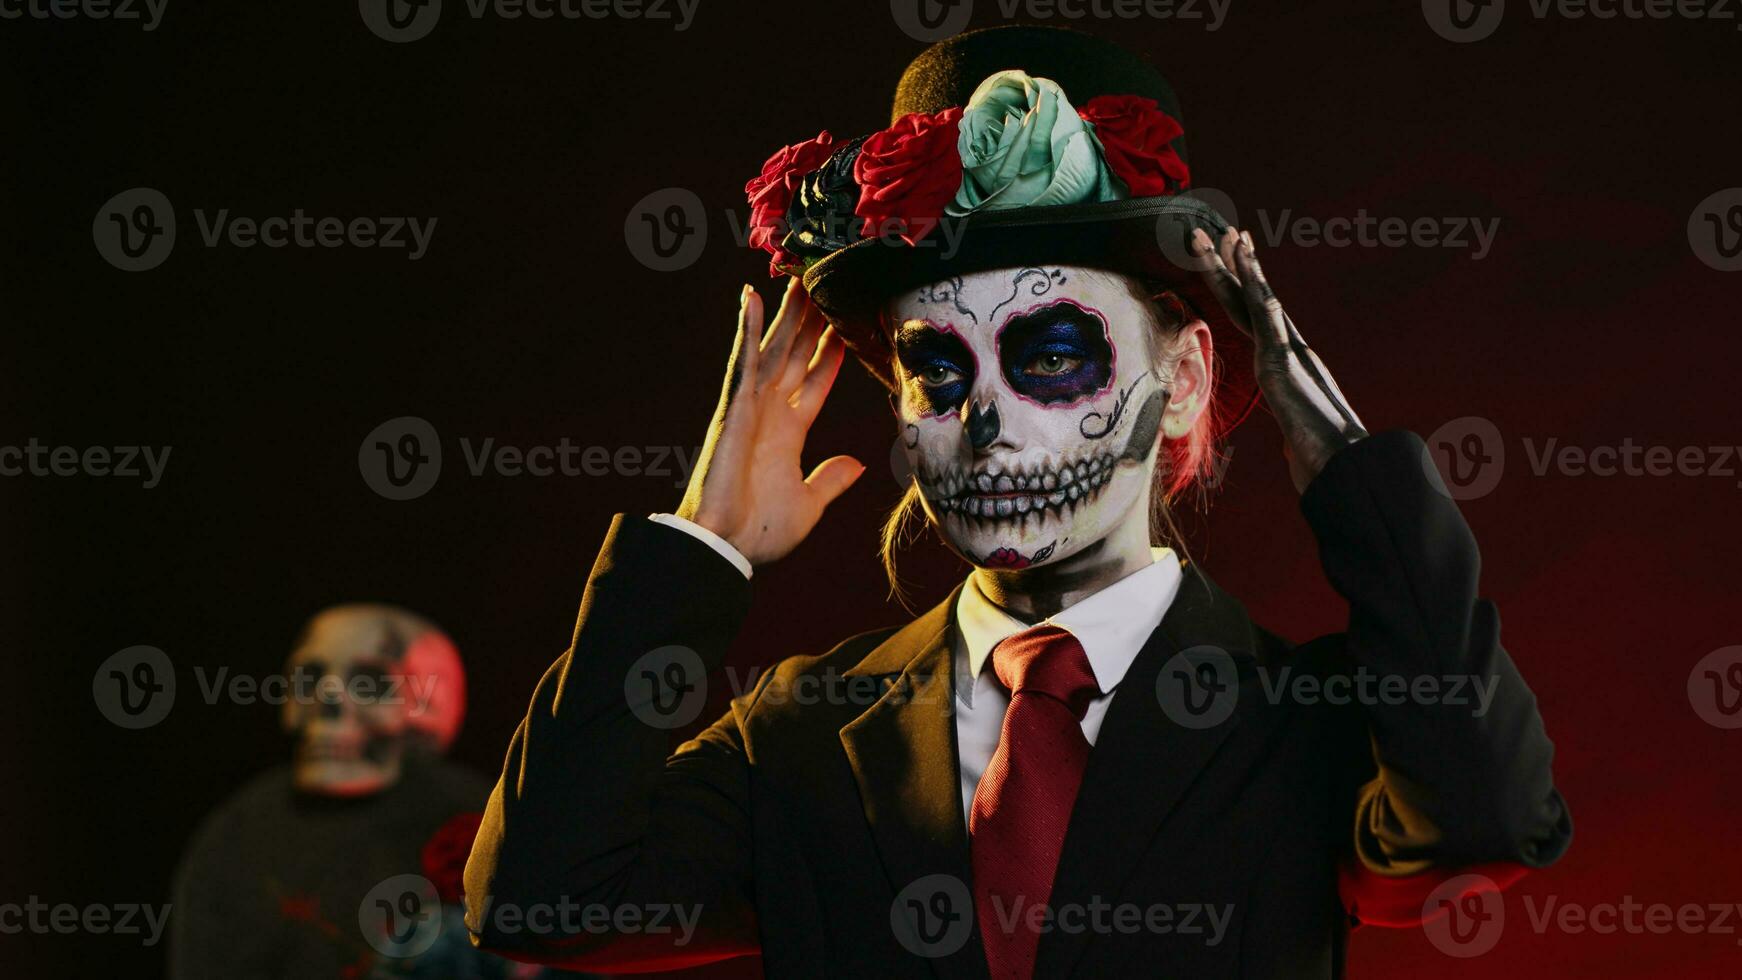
x=1145 y=237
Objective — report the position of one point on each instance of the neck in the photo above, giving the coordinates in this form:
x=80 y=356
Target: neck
x=1033 y=594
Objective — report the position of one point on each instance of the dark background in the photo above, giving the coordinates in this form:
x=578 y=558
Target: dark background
x=529 y=320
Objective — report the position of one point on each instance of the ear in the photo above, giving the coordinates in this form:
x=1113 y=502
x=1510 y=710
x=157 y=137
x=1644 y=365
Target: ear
x=1192 y=355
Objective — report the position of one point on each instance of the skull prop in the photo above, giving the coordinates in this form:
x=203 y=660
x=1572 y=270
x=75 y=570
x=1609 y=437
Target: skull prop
x=367 y=684
x=1031 y=402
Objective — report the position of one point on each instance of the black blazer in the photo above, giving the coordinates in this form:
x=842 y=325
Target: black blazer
x=794 y=822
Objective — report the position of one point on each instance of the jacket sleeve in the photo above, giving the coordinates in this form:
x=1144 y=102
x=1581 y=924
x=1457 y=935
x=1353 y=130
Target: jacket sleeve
x=1461 y=779
x=598 y=850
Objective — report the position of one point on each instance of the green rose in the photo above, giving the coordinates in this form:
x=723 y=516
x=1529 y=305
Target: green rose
x=1022 y=144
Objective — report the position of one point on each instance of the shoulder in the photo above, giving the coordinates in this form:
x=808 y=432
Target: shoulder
x=267 y=791
x=836 y=662
x=444 y=787
x=226 y=828
x=829 y=690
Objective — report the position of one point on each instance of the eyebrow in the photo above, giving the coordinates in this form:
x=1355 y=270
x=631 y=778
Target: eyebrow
x=908 y=331
x=1048 y=310
x=918 y=330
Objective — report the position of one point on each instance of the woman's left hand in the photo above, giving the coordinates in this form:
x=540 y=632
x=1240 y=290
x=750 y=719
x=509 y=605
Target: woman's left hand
x=1316 y=420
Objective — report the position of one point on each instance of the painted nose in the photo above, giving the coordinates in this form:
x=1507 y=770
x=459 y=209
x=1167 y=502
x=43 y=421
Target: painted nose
x=982 y=424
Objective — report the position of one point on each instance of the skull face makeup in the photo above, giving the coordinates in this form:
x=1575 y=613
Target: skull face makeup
x=366 y=683
x=1031 y=403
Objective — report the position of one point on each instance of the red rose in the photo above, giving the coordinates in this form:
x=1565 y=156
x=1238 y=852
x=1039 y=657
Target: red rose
x=1138 y=138
x=907 y=173
x=771 y=192
x=444 y=855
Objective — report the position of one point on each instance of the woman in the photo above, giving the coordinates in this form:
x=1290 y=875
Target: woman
x=1087 y=760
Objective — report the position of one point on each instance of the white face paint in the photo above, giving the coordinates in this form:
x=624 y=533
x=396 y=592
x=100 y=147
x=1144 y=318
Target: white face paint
x=1030 y=407
x=350 y=737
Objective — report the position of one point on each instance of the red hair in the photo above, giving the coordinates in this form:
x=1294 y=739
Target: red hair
x=1190 y=459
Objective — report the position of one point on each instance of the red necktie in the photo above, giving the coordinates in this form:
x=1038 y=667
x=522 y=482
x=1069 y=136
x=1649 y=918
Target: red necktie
x=1023 y=802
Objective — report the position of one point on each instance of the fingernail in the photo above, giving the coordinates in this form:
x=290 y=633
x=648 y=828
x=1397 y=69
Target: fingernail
x=1246 y=239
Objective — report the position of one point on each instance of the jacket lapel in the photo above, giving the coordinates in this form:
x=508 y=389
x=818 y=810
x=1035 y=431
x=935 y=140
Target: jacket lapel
x=1143 y=762
x=903 y=754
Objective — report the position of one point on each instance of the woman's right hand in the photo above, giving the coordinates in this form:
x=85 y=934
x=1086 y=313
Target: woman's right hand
x=748 y=486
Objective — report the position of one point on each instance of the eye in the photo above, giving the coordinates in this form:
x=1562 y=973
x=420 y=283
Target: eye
x=1058 y=354
x=1052 y=365
x=935 y=366
x=937 y=375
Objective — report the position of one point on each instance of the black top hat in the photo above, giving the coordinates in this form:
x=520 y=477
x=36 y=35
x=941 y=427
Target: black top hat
x=855 y=251
x=946 y=74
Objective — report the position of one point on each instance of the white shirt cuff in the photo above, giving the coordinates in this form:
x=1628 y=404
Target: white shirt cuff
x=707 y=537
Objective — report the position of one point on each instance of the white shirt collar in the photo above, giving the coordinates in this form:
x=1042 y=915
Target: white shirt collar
x=1112 y=625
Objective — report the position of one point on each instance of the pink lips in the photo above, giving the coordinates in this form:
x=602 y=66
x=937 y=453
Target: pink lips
x=1006 y=558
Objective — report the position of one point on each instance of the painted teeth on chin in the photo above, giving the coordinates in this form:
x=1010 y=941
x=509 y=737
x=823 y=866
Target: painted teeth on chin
x=1038 y=497
x=1060 y=503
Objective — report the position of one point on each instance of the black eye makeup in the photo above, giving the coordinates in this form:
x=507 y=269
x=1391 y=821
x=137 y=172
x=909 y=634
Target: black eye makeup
x=938 y=365
x=1056 y=354
x=307 y=673
x=373 y=674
